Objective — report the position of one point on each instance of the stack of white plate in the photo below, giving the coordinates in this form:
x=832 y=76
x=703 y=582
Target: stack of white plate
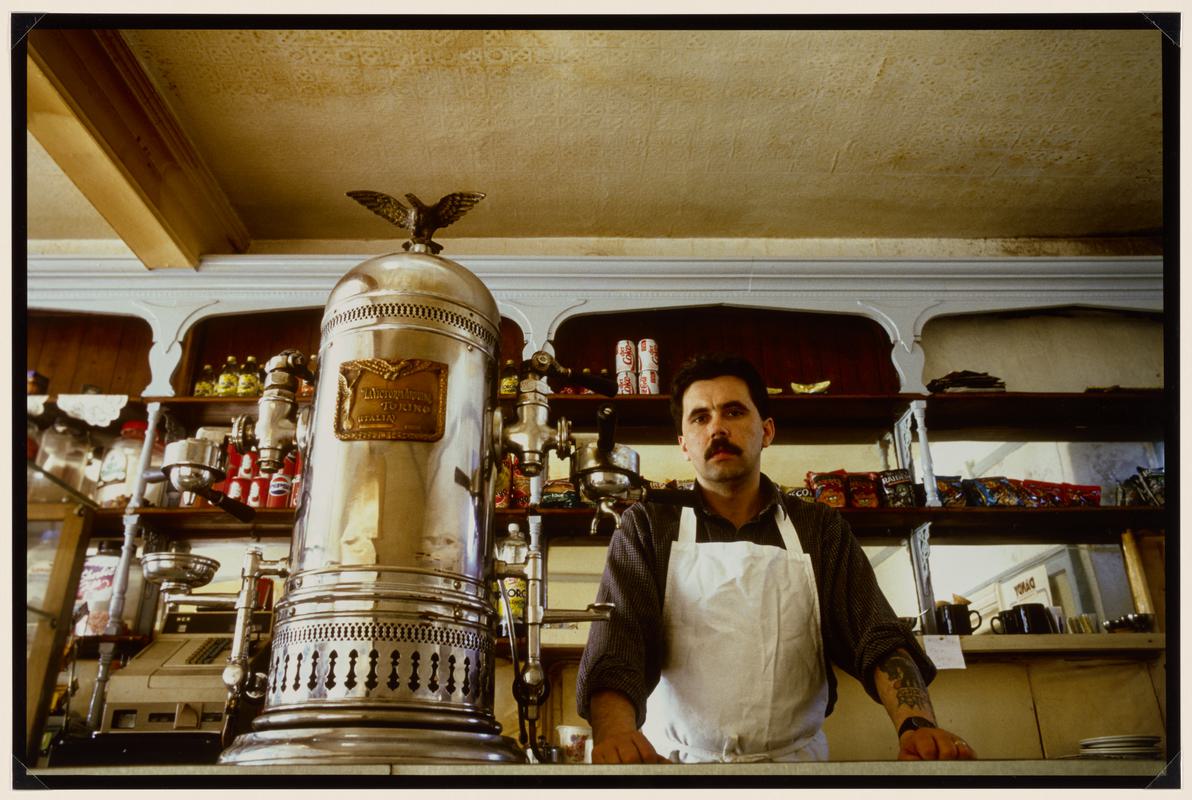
x=1129 y=746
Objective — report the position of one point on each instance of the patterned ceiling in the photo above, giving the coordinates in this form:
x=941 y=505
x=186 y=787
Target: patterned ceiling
x=664 y=134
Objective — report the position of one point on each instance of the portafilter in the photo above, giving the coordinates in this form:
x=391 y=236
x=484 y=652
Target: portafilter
x=193 y=465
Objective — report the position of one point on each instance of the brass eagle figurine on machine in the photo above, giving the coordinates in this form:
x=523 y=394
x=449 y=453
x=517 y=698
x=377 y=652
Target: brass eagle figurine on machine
x=422 y=220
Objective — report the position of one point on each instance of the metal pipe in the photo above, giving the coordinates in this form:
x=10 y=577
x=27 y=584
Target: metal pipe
x=120 y=580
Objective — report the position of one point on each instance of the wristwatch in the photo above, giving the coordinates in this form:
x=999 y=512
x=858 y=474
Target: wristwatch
x=914 y=724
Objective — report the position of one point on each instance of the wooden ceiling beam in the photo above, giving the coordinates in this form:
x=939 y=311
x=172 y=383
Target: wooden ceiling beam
x=95 y=111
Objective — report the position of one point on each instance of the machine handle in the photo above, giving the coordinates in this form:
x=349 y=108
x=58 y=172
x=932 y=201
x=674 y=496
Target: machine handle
x=237 y=509
x=606 y=427
x=599 y=385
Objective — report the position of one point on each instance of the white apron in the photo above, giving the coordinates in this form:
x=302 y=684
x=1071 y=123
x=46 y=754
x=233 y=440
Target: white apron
x=743 y=678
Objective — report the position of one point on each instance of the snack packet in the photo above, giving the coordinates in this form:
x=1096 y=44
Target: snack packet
x=1154 y=485
x=560 y=494
x=991 y=492
x=828 y=487
x=896 y=488
x=862 y=489
x=1075 y=495
x=1042 y=494
x=951 y=490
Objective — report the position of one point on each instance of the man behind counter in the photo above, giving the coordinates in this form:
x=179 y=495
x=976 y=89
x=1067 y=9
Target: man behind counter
x=727 y=615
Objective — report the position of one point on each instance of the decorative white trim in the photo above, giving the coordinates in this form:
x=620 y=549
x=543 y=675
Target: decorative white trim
x=97 y=410
x=541 y=292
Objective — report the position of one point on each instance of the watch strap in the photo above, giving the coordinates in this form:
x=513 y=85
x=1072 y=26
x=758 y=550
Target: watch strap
x=914 y=724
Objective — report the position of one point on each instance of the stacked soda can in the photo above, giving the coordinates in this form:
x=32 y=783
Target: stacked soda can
x=647 y=366
x=626 y=363
x=637 y=367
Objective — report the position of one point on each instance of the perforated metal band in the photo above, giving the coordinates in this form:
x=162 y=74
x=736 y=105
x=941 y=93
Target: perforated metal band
x=413 y=311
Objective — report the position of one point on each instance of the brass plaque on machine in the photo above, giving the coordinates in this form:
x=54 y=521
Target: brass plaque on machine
x=398 y=400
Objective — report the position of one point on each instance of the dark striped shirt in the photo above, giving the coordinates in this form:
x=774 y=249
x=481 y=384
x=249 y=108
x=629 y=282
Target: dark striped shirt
x=858 y=626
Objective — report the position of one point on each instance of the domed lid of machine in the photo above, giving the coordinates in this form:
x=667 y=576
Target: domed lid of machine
x=420 y=270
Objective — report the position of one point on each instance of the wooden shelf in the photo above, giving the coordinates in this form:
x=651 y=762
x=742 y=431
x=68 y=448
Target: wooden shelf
x=985 y=645
x=571 y=526
x=1064 y=643
x=1133 y=415
x=948 y=525
x=209 y=523
x=1128 y=415
x=196 y=412
x=810 y=419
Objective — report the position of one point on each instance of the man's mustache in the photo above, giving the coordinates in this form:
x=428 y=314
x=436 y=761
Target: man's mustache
x=721 y=446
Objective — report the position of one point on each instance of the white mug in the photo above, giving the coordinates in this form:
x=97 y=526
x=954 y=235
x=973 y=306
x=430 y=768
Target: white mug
x=574 y=741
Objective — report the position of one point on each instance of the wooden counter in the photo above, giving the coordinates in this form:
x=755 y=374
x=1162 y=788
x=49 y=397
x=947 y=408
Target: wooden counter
x=1057 y=772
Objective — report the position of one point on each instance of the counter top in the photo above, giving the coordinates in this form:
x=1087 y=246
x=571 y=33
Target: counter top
x=1063 y=767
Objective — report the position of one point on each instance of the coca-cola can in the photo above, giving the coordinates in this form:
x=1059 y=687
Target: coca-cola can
x=258 y=490
x=647 y=381
x=248 y=465
x=647 y=355
x=626 y=383
x=238 y=488
x=626 y=360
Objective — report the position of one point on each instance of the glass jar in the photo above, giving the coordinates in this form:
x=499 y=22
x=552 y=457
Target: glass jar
x=118 y=472
x=62 y=452
x=95 y=590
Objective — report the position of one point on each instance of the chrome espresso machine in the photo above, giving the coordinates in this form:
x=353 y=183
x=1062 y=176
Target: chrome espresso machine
x=383 y=647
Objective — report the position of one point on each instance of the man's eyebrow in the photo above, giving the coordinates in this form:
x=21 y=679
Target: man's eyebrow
x=730 y=405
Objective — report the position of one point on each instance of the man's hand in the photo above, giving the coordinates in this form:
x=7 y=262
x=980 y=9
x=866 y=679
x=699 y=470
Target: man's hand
x=615 y=737
x=933 y=744
x=626 y=748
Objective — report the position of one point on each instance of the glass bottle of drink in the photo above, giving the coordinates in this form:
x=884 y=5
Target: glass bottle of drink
x=512 y=549
x=509 y=377
x=229 y=379
x=205 y=385
x=248 y=383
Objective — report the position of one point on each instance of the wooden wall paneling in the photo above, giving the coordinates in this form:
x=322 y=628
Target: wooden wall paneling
x=264 y=335
x=183 y=379
x=35 y=339
x=786 y=346
x=130 y=371
x=513 y=341
x=60 y=353
x=108 y=351
x=1118 y=693
x=99 y=350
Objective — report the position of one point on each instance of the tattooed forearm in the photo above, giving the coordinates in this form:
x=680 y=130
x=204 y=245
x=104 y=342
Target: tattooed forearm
x=900 y=685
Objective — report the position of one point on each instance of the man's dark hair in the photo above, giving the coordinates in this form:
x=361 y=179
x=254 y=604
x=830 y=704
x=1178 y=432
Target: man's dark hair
x=714 y=365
